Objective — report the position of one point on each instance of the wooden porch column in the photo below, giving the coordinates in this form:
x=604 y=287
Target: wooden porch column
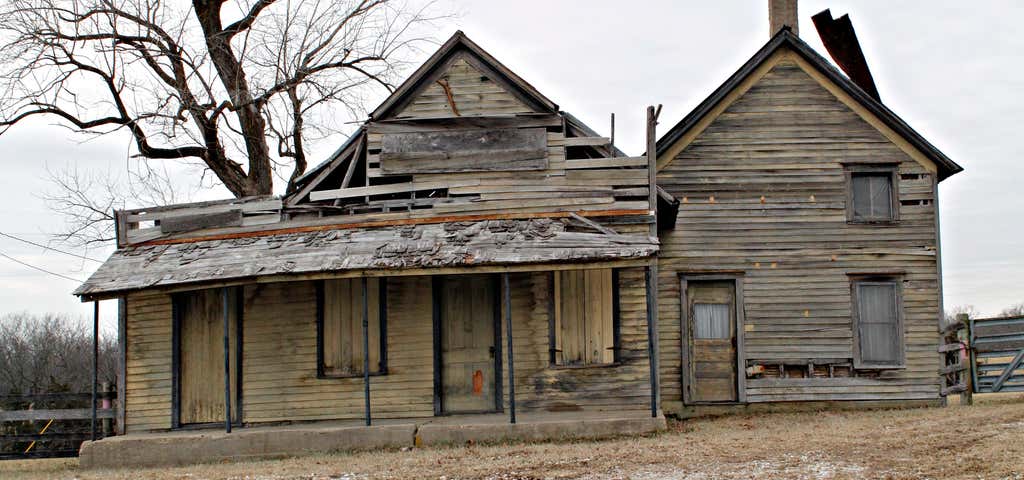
x=95 y=362
x=651 y=277
x=122 y=361
x=651 y=271
x=227 y=358
x=507 y=298
x=366 y=352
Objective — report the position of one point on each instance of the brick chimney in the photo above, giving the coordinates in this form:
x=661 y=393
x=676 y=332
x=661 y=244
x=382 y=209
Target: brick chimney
x=782 y=13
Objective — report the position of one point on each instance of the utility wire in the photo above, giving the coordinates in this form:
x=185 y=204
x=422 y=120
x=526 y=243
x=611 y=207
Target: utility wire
x=83 y=257
x=15 y=260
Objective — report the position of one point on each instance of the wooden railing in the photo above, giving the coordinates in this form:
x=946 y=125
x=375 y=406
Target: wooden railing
x=58 y=429
x=143 y=224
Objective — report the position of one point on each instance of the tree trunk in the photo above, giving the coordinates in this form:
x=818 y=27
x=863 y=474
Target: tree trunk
x=259 y=180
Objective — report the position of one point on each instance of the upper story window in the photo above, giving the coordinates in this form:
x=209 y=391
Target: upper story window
x=872 y=195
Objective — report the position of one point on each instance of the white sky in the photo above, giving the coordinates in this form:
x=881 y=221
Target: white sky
x=949 y=68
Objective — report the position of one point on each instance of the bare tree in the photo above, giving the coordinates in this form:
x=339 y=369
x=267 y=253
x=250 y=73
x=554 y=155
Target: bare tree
x=86 y=199
x=970 y=310
x=214 y=82
x=1013 y=312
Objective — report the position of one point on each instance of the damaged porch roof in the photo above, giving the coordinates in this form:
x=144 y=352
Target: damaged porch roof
x=456 y=244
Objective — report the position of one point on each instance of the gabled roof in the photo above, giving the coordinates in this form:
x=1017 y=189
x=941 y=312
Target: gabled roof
x=433 y=67
x=426 y=74
x=785 y=38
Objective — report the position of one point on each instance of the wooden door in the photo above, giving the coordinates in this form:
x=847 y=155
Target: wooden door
x=201 y=356
x=711 y=322
x=468 y=350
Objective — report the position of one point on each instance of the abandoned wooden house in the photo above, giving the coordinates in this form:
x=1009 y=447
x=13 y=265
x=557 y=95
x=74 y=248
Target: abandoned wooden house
x=472 y=252
x=468 y=234
x=804 y=265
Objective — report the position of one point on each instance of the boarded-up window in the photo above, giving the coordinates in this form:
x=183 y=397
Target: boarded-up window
x=475 y=150
x=879 y=331
x=872 y=196
x=584 y=323
x=341 y=327
x=711 y=321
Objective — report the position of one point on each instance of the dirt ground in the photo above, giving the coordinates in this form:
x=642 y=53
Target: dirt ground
x=981 y=442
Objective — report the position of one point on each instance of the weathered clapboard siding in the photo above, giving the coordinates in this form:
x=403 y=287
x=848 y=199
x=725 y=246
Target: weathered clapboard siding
x=148 y=362
x=471 y=92
x=763 y=192
x=279 y=367
x=540 y=386
x=279 y=374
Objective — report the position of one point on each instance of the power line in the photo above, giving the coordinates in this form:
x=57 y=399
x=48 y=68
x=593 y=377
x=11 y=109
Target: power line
x=83 y=257
x=15 y=260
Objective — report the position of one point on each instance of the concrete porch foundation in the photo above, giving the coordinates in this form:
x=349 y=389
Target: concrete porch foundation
x=186 y=447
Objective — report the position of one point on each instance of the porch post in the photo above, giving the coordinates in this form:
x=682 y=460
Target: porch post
x=651 y=277
x=366 y=352
x=651 y=270
x=227 y=360
x=507 y=293
x=95 y=362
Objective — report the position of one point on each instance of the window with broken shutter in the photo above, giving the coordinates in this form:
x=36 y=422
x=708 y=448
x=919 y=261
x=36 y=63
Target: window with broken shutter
x=878 y=324
x=340 y=335
x=585 y=328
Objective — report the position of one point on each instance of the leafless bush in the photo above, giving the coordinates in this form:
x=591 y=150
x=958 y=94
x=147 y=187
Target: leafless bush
x=50 y=353
x=1013 y=312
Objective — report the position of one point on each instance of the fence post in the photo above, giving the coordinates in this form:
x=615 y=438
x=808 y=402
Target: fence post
x=967 y=396
x=108 y=423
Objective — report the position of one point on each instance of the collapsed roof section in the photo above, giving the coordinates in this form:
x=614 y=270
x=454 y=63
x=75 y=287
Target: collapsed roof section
x=358 y=250
x=463 y=141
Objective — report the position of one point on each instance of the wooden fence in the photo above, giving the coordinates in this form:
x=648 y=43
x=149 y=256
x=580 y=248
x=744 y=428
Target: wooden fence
x=997 y=351
x=55 y=430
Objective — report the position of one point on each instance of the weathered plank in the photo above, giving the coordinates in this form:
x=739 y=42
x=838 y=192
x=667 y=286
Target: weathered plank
x=184 y=223
x=385 y=189
x=65 y=414
x=504 y=149
x=606 y=162
x=460 y=123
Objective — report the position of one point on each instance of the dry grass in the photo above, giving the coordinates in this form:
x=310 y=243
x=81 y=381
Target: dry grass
x=984 y=441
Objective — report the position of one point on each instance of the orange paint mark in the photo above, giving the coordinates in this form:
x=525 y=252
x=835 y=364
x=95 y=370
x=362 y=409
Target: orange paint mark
x=478 y=383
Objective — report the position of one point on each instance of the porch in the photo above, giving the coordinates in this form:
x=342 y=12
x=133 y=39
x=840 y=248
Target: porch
x=184 y=447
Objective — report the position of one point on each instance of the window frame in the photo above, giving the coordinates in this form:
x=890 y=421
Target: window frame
x=382 y=368
x=553 y=307
x=852 y=170
x=901 y=351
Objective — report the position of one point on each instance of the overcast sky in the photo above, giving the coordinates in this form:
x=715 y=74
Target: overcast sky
x=951 y=69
